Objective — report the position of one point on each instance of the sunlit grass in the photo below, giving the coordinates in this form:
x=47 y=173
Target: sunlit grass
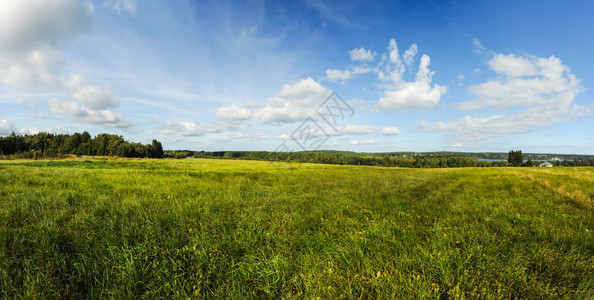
x=226 y=228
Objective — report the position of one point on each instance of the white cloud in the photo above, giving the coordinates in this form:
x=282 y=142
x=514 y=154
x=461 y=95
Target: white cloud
x=93 y=96
x=523 y=81
x=35 y=130
x=391 y=131
x=180 y=130
x=233 y=113
x=305 y=92
x=416 y=94
x=30 y=69
x=294 y=102
x=283 y=137
x=120 y=5
x=30 y=24
x=397 y=68
x=281 y=110
x=335 y=75
x=358 y=129
x=409 y=55
x=84 y=114
x=338 y=75
x=398 y=94
x=367 y=142
x=360 y=54
x=30 y=33
x=6 y=127
x=512 y=65
x=543 y=86
x=369 y=129
x=393 y=51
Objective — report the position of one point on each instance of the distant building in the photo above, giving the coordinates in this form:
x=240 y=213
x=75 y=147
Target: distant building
x=546 y=164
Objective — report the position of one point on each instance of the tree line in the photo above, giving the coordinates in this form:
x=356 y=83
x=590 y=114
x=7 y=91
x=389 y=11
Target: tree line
x=418 y=161
x=414 y=160
x=45 y=144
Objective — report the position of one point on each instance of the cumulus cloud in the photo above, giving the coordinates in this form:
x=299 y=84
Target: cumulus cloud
x=294 y=102
x=391 y=131
x=544 y=88
x=6 y=127
x=92 y=96
x=359 y=129
x=74 y=111
x=338 y=75
x=399 y=94
x=178 y=131
x=34 y=68
x=523 y=81
x=409 y=55
x=233 y=113
x=335 y=75
x=30 y=24
x=360 y=54
x=409 y=95
x=305 y=92
x=30 y=33
x=513 y=66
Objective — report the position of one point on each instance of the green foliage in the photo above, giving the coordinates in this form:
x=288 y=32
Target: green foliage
x=155 y=150
x=351 y=158
x=205 y=228
x=45 y=144
x=515 y=158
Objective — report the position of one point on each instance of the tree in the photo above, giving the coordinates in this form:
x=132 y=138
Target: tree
x=515 y=158
x=530 y=163
x=45 y=144
x=157 y=148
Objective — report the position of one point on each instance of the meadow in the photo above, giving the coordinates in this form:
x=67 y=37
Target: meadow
x=207 y=228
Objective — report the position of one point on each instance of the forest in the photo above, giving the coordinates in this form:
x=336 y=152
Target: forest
x=408 y=160
x=337 y=158
x=49 y=145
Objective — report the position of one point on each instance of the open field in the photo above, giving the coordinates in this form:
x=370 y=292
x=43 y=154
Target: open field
x=230 y=228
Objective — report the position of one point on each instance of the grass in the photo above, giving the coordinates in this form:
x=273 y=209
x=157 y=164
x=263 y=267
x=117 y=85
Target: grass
x=205 y=228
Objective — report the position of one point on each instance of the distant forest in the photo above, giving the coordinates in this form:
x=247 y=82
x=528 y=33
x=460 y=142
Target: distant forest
x=395 y=159
x=331 y=157
x=45 y=144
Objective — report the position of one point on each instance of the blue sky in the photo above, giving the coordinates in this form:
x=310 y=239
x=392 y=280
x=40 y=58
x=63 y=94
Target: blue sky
x=244 y=75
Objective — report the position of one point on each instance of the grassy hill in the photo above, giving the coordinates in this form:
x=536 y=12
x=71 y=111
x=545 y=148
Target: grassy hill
x=231 y=228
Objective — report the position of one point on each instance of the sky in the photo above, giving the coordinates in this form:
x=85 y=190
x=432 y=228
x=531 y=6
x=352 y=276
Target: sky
x=365 y=76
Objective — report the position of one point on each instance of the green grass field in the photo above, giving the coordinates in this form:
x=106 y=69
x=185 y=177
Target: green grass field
x=204 y=228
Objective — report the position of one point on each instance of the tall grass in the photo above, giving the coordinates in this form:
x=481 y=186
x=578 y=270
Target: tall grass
x=234 y=229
